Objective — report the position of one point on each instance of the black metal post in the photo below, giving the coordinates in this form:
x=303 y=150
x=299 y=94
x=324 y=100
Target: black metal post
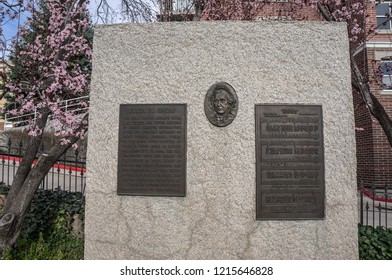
x=367 y=213
x=386 y=205
x=76 y=168
x=64 y=164
x=361 y=219
x=379 y=214
x=373 y=196
x=8 y=162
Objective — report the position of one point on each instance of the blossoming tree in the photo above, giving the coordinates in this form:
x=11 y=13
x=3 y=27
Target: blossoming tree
x=51 y=54
x=50 y=49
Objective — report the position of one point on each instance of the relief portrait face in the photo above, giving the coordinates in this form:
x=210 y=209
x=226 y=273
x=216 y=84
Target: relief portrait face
x=221 y=104
x=221 y=101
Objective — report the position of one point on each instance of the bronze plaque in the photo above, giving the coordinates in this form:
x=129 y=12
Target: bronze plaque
x=289 y=162
x=221 y=104
x=152 y=150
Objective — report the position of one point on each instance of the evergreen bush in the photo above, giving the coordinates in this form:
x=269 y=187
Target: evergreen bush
x=375 y=243
x=47 y=232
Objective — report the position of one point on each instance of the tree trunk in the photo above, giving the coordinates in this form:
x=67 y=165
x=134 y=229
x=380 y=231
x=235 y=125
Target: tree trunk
x=359 y=82
x=373 y=104
x=198 y=10
x=29 y=156
x=18 y=200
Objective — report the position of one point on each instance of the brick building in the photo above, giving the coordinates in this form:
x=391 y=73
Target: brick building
x=374 y=154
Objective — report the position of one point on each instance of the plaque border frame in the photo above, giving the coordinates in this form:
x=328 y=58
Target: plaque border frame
x=258 y=178
x=185 y=105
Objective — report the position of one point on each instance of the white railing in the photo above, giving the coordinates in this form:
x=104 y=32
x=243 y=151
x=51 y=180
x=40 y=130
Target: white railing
x=178 y=6
x=11 y=122
x=183 y=6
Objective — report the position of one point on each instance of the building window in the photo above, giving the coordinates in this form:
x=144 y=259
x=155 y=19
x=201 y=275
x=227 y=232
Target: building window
x=386 y=71
x=383 y=11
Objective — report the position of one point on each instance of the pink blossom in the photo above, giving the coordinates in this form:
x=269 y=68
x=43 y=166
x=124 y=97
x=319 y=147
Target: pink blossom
x=52 y=75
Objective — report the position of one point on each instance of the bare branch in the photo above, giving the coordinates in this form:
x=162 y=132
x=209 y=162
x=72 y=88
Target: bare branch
x=136 y=10
x=105 y=12
x=324 y=12
x=126 y=10
x=12 y=6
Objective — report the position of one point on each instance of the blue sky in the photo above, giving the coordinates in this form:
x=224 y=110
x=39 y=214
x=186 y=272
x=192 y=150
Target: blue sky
x=10 y=27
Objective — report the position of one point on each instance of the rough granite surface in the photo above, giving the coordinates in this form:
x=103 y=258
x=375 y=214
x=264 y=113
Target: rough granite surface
x=265 y=62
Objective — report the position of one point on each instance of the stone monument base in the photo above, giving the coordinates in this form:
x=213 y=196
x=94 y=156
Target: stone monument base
x=298 y=63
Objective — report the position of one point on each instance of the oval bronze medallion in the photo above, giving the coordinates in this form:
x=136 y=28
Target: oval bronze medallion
x=221 y=104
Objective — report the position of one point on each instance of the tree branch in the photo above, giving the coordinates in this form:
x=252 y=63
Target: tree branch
x=28 y=158
x=372 y=103
x=324 y=12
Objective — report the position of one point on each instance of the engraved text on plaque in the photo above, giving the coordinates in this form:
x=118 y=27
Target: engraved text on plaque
x=152 y=150
x=289 y=162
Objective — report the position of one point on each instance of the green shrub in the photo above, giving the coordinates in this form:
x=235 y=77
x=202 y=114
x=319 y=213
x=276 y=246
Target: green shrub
x=375 y=243
x=47 y=232
x=68 y=247
x=4 y=189
x=50 y=210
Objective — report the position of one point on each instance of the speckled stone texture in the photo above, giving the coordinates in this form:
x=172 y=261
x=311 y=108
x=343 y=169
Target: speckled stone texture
x=265 y=62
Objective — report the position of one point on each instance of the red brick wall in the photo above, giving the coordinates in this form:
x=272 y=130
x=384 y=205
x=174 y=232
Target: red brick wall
x=364 y=132
x=374 y=154
x=382 y=35
x=290 y=10
x=382 y=154
x=381 y=165
x=264 y=9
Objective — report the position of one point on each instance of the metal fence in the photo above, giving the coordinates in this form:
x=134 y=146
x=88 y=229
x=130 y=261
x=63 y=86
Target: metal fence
x=74 y=105
x=68 y=173
x=375 y=206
